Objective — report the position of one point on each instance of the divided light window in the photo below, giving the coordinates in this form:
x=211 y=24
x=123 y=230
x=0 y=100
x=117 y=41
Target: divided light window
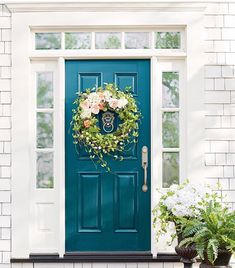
x=44 y=133
x=109 y=40
x=170 y=128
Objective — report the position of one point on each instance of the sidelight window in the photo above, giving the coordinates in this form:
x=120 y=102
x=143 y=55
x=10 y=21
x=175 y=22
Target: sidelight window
x=44 y=133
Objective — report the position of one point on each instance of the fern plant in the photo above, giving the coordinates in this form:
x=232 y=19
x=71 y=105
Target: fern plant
x=212 y=231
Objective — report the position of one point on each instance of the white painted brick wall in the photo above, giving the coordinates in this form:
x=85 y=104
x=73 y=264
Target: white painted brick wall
x=5 y=137
x=220 y=97
x=220 y=122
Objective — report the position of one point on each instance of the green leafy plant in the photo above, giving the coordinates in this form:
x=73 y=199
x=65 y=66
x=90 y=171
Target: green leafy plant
x=211 y=231
x=178 y=203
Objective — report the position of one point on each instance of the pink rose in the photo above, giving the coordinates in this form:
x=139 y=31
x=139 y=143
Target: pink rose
x=95 y=108
x=101 y=106
x=113 y=103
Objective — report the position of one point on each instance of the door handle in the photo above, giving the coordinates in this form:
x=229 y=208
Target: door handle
x=145 y=166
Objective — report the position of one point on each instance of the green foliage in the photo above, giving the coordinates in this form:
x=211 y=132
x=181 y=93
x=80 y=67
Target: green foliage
x=170 y=129
x=44 y=170
x=77 y=40
x=44 y=90
x=214 y=229
x=95 y=143
x=182 y=205
x=113 y=42
x=48 y=40
x=108 y=41
x=170 y=169
x=70 y=41
x=167 y=40
x=170 y=81
x=44 y=130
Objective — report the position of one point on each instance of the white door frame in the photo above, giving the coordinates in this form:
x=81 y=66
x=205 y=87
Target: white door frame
x=106 y=16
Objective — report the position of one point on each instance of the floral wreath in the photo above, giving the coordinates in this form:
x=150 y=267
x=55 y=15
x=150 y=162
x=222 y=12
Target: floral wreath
x=86 y=131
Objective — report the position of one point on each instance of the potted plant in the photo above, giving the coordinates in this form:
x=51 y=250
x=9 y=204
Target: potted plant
x=177 y=203
x=212 y=233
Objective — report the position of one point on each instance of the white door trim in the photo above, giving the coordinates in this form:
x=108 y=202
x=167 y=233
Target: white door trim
x=22 y=54
x=109 y=6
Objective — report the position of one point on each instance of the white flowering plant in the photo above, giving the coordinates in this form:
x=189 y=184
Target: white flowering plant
x=180 y=202
x=85 y=122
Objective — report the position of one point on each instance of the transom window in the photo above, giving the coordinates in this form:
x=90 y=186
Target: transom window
x=159 y=39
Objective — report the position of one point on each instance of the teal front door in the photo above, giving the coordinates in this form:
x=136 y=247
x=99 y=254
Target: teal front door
x=108 y=211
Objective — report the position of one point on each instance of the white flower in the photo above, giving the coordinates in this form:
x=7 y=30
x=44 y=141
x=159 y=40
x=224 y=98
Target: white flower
x=94 y=98
x=85 y=104
x=107 y=95
x=179 y=211
x=185 y=201
x=86 y=113
x=122 y=103
x=174 y=187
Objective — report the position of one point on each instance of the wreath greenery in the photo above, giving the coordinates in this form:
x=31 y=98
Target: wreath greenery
x=86 y=130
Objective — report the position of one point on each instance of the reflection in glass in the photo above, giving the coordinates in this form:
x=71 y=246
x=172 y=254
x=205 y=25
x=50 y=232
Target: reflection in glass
x=170 y=169
x=170 y=89
x=44 y=170
x=45 y=90
x=111 y=40
x=167 y=40
x=44 y=130
x=48 y=40
x=170 y=129
x=80 y=40
x=137 y=40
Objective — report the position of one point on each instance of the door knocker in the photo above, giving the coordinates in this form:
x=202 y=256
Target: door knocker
x=108 y=119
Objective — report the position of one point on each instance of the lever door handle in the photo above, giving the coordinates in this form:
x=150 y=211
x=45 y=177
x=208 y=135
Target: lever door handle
x=145 y=167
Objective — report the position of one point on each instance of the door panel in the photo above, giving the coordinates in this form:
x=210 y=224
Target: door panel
x=126 y=202
x=107 y=211
x=123 y=80
x=89 y=203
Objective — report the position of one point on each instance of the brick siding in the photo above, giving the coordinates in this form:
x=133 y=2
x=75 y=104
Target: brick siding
x=219 y=22
x=5 y=137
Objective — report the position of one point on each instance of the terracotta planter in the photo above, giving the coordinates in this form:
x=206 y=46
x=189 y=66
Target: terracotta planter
x=222 y=260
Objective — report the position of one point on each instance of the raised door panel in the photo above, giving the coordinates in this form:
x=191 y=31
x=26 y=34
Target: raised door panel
x=126 y=196
x=89 y=80
x=126 y=79
x=89 y=205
